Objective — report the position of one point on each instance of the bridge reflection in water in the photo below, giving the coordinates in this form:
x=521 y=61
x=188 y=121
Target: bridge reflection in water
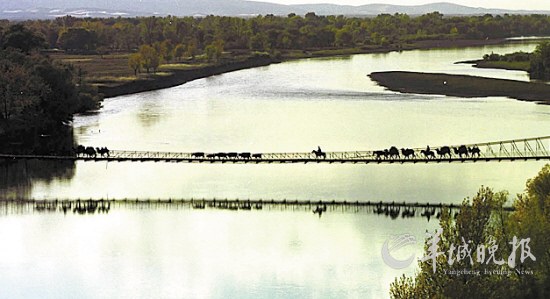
x=509 y=150
x=391 y=210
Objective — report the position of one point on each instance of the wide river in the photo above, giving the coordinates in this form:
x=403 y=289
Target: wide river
x=289 y=107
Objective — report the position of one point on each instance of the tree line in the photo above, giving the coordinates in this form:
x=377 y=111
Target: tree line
x=37 y=95
x=538 y=60
x=269 y=32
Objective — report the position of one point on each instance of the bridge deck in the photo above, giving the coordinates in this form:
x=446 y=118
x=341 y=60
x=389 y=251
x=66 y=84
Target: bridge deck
x=509 y=150
x=275 y=160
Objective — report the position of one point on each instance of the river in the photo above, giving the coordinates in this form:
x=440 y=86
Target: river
x=289 y=107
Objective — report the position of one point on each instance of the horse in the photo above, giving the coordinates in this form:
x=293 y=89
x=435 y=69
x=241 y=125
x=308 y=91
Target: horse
x=428 y=153
x=319 y=154
x=444 y=151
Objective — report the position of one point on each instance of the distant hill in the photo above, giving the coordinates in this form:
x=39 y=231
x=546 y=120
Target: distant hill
x=34 y=9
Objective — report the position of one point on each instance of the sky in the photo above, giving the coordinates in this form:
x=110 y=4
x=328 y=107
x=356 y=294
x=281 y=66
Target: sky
x=506 y=4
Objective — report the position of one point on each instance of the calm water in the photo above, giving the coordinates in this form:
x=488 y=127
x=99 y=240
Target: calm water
x=294 y=106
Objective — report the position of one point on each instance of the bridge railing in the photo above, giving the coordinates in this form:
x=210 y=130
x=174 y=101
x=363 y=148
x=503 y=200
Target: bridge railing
x=535 y=147
x=510 y=150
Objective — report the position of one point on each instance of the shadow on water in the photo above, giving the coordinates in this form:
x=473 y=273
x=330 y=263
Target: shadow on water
x=388 y=210
x=17 y=177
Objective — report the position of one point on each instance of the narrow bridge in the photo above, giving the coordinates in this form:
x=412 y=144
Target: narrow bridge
x=508 y=150
x=393 y=210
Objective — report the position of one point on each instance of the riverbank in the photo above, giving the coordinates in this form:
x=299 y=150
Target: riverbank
x=177 y=77
x=501 y=65
x=462 y=86
x=113 y=77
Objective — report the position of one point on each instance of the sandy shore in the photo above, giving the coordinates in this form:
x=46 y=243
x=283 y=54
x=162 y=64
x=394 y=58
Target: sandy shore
x=462 y=86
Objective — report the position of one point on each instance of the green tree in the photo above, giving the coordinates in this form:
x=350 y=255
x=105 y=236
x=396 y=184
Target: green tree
x=79 y=39
x=135 y=62
x=37 y=94
x=531 y=218
x=150 y=59
x=214 y=51
x=540 y=61
x=484 y=223
x=19 y=37
x=20 y=89
x=453 y=32
x=191 y=49
x=179 y=51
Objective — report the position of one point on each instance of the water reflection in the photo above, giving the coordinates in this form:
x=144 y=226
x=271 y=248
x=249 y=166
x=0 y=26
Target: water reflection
x=179 y=252
x=17 y=178
x=150 y=113
x=388 y=210
x=165 y=250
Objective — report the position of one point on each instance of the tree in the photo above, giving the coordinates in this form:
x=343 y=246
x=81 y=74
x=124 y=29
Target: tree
x=20 y=89
x=19 y=37
x=259 y=42
x=164 y=50
x=179 y=50
x=540 y=61
x=135 y=62
x=150 y=59
x=191 y=49
x=343 y=37
x=78 y=39
x=37 y=94
x=485 y=224
x=453 y=32
x=214 y=51
x=532 y=218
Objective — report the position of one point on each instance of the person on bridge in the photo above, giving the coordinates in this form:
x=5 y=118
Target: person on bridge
x=427 y=148
x=319 y=149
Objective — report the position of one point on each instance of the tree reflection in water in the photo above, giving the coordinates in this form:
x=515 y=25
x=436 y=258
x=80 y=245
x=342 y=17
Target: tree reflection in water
x=17 y=177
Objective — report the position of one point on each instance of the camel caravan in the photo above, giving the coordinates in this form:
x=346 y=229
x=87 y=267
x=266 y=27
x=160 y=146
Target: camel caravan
x=90 y=151
x=444 y=152
x=393 y=153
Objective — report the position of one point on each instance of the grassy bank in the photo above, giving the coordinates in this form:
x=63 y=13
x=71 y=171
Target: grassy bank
x=502 y=65
x=462 y=86
x=112 y=75
x=174 y=75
